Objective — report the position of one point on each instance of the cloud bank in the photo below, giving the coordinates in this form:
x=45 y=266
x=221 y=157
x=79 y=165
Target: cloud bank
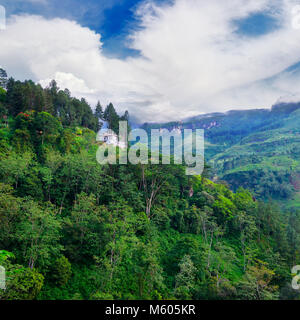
x=193 y=59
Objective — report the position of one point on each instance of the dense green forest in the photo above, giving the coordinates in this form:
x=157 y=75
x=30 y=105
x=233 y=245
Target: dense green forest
x=73 y=229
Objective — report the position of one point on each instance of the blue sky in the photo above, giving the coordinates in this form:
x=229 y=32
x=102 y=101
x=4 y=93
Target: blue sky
x=257 y=24
x=113 y=19
x=161 y=59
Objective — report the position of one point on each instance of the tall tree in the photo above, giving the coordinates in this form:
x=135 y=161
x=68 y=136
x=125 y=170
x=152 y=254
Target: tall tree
x=99 y=111
x=3 y=78
x=185 y=279
x=111 y=116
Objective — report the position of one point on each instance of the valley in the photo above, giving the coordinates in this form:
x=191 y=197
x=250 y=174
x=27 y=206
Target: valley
x=255 y=149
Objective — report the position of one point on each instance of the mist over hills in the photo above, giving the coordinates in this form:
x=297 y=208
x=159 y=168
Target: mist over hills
x=257 y=149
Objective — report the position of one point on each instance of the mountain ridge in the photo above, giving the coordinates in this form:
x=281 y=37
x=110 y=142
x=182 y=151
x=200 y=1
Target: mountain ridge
x=257 y=149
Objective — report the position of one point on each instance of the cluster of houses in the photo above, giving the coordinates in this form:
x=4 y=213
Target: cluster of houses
x=211 y=125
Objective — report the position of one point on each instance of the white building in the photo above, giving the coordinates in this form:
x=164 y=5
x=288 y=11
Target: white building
x=109 y=137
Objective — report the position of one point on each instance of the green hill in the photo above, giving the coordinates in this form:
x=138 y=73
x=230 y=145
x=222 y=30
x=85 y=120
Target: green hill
x=265 y=161
x=257 y=149
x=71 y=228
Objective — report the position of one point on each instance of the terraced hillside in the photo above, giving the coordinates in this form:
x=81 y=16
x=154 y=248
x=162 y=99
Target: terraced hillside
x=257 y=149
x=266 y=161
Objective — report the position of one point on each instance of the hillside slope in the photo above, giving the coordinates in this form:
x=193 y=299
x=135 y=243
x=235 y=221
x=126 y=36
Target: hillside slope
x=257 y=149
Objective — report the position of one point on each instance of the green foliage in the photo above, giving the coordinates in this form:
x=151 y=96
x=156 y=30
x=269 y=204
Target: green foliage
x=99 y=111
x=21 y=283
x=185 y=279
x=110 y=115
x=257 y=283
x=255 y=149
x=37 y=234
x=24 y=284
x=62 y=271
x=73 y=229
x=3 y=78
x=23 y=96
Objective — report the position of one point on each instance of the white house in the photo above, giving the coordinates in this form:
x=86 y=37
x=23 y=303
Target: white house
x=109 y=137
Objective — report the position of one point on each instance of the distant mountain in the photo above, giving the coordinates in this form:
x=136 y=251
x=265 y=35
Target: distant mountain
x=257 y=149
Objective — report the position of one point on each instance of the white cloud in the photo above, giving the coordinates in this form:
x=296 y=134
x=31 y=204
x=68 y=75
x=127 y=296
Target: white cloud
x=192 y=60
